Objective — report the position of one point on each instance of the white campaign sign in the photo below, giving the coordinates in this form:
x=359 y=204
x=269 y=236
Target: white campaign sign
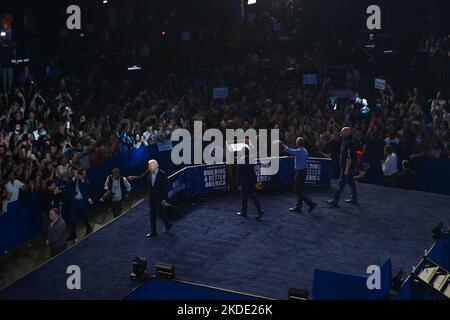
x=380 y=84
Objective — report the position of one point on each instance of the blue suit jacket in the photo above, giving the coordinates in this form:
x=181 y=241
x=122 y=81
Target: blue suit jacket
x=85 y=190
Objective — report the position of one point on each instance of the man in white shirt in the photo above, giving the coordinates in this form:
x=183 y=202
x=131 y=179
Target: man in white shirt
x=389 y=166
x=13 y=187
x=117 y=188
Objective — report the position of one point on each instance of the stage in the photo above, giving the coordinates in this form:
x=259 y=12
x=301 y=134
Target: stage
x=211 y=245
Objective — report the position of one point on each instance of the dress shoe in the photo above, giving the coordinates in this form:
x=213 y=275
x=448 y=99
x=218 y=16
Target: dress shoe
x=74 y=239
x=332 y=203
x=312 y=207
x=88 y=231
x=151 y=235
x=259 y=215
x=241 y=214
x=351 y=201
x=295 y=210
x=168 y=228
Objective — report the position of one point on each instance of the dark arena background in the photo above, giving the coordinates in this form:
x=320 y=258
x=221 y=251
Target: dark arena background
x=355 y=100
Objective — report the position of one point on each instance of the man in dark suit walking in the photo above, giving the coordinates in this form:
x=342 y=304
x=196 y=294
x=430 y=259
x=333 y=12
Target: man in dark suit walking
x=157 y=182
x=77 y=201
x=247 y=181
x=56 y=235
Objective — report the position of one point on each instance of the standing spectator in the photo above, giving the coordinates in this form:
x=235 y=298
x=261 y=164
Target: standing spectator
x=63 y=169
x=407 y=179
x=56 y=233
x=418 y=152
x=26 y=78
x=389 y=167
x=51 y=197
x=13 y=187
x=7 y=54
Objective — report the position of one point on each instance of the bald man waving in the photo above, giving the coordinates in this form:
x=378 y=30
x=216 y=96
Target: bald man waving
x=157 y=183
x=348 y=168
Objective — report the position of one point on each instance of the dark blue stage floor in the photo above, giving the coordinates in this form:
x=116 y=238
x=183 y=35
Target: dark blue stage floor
x=213 y=246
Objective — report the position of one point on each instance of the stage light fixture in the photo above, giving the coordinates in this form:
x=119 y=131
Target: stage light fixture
x=139 y=269
x=397 y=280
x=164 y=270
x=298 y=294
x=3 y=34
x=438 y=231
x=251 y=1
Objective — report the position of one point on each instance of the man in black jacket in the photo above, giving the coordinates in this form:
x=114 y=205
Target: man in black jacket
x=247 y=180
x=156 y=180
x=407 y=179
x=348 y=168
x=50 y=199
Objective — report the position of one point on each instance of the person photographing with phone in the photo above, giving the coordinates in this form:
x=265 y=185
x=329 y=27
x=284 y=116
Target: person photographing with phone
x=77 y=201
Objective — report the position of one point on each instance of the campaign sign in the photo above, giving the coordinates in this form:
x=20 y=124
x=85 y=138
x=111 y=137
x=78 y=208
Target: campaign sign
x=220 y=93
x=380 y=84
x=165 y=146
x=310 y=80
x=186 y=36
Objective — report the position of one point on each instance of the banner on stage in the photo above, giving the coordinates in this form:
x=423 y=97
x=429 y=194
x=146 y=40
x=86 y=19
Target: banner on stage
x=177 y=186
x=318 y=172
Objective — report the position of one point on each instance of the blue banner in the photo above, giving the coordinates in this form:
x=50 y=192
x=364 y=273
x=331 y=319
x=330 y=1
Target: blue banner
x=318 y=172
x=206 y=178
x=176 y=186
x=212 y=178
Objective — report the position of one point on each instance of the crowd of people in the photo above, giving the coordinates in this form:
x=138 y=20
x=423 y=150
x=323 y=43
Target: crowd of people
x=53 y=120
